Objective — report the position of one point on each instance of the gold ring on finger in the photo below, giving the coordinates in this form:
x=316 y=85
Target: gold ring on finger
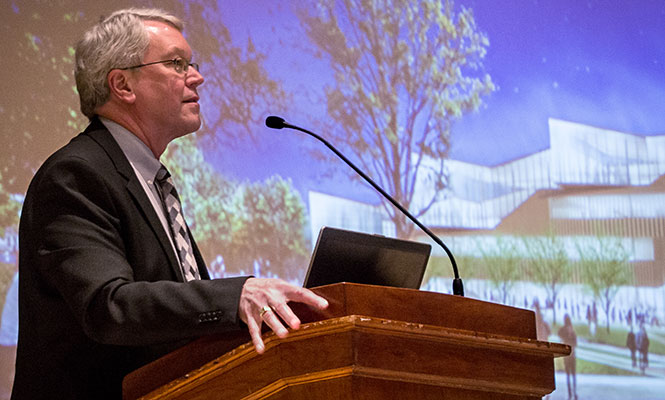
x=264 y=310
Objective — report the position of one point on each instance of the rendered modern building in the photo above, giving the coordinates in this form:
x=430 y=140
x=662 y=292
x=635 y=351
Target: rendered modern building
x=591 y=181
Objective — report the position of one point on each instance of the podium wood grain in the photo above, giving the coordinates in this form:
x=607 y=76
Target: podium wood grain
x=371 y=343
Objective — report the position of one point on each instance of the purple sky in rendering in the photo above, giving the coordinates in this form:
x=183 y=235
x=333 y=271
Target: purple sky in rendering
x=595 y=62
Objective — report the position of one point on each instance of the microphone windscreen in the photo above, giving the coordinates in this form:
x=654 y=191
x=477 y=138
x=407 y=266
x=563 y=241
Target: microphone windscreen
x=275 y=122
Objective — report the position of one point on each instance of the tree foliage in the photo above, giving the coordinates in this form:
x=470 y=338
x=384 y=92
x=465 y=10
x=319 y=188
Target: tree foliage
x=207 y=196
x=502 y=265
x=604 y=268
x=272 y=232
x=404 y=72
x=236 y=80
x=41 y=113
x=9 y=209
x=250 y=225
x=548 y=264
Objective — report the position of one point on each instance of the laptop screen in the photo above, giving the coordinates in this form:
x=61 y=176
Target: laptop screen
x=346 y=256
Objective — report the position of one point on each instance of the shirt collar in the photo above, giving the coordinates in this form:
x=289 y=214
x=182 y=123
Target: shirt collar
x=137 y=152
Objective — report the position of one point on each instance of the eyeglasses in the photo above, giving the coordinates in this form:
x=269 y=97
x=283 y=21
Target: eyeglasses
x=179 y=64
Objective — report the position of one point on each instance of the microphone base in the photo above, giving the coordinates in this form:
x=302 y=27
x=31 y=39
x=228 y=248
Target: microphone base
x=458 y=287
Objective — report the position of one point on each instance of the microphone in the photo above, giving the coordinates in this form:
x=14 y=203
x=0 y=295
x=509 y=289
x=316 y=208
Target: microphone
x=275 y=122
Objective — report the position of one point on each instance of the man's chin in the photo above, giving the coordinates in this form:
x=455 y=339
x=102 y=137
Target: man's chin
x=187 y=129
x=193 y=125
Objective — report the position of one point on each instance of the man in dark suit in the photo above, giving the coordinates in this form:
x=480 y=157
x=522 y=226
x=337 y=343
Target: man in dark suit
x=107 y=280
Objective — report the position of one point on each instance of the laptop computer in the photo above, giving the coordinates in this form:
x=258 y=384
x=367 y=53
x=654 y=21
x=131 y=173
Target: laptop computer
x=347 y=256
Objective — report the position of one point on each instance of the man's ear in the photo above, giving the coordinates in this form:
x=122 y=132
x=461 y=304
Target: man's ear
x=120 y=86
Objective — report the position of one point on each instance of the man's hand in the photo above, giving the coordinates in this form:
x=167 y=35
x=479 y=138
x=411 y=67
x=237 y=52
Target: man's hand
x=263 y=300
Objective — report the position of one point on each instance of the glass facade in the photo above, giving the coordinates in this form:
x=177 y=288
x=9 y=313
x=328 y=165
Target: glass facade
x=590 y=182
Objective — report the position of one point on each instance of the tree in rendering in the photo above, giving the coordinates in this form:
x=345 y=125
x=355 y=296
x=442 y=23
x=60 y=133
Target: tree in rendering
x=271 y=234
x=501 y=265
x=549 y=265
x=604 y=269
x=404 y=72
x=207 y=196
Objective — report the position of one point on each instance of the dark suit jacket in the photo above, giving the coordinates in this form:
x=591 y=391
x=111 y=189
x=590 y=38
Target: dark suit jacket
x=100 y=290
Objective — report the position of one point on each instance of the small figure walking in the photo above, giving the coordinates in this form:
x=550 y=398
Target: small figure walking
x=568 y=336
x=632 y=346
x=642 y=342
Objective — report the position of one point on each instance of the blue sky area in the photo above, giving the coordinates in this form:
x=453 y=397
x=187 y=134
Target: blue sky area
x=600 y=63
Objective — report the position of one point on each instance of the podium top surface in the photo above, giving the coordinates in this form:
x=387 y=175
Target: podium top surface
x=475 y=317
x=417 y=306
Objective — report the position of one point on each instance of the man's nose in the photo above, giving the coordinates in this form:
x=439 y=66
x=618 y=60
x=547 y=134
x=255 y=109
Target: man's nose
x=194 y=78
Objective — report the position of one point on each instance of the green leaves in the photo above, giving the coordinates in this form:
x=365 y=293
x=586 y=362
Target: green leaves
x=250 y=224
x=548 y=263
x=502 y=263
x=9 y=209
x=404 y=72
x=604 y=268
x=273 y=228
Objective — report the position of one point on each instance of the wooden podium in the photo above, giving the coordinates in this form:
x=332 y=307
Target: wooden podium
x=371 y=343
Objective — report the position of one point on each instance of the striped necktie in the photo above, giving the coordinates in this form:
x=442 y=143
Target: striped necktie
x=176 y=219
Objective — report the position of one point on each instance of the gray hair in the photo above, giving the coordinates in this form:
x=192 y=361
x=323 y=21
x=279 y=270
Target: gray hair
x=117 y=41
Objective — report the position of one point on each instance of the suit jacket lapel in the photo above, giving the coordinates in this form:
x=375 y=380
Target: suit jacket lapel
x=98 y=132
